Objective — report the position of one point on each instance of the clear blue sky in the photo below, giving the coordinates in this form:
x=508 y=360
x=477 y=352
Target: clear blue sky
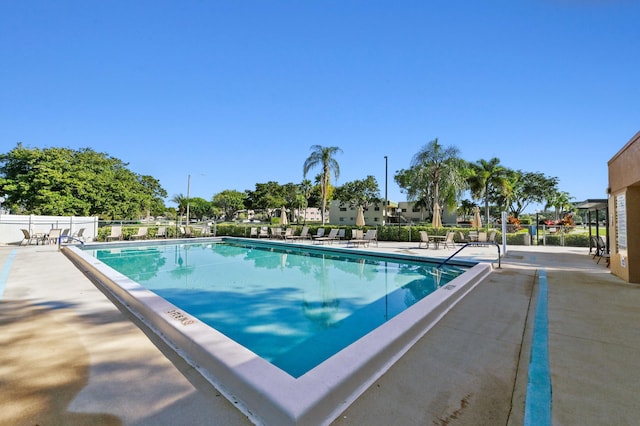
x=235 y=93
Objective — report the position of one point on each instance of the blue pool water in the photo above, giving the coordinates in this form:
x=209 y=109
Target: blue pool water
x=293 y=307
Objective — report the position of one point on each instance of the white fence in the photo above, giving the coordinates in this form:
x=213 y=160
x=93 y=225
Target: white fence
x=11 y=226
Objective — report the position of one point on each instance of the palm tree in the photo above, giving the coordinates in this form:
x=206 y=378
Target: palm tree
x=560 y=201
x=439 y=169
x=181 y=201
x=305 y=191
x=323 y=156
x=487 y=178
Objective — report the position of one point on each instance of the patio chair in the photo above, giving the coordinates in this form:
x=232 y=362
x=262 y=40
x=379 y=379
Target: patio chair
x=29 y=237
x=64 y=235
x=424 y=239
x=264 y=232
x=54 y=235
x=449 y=242
x=253 y=233
x=288 y=234
x=116 y=233
x=370 y=236
x=492 y=237
x=162 y=232
x=276 y=232
x=186 y=231
x=304 y=235
x=319 y=233
x=79 y=234
x=141 y=234
x=333 y=235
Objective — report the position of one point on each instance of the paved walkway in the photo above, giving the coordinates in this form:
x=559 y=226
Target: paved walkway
x=69 y=357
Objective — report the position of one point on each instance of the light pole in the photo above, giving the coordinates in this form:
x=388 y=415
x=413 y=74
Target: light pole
x=386 y=200
x=188 y=191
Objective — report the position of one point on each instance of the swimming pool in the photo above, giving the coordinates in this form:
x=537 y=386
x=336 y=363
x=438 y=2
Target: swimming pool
x=293 y=307
x=315 y=392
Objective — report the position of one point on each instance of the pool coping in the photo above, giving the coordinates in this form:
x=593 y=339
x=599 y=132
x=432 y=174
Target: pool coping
x=263 y=392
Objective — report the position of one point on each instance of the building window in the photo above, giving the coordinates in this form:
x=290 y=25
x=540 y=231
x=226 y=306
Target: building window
x=375 y=219
x=377 y=209
x=416 y=209
x=341 y=219
x=343 y=209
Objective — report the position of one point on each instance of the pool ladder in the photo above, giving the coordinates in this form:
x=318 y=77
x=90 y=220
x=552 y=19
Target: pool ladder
x=487 y=243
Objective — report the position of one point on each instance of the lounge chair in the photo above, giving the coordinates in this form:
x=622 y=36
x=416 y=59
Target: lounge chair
x=141 y=234
x=370 y=236
x=482 y=237
x=492 y=237
x=54 y=235
x=162 y=232
x=116 y=233
x=304 y=234
x=29 y=237
x=367 y=238
x=186 y=232
x=288 y=234
x=333 y=235
x=341 y=234
x=424 y=239
x=79 y=235
x=319 y=233
x=253 y=233
x=64 y=236
x=276 y=232
x=264 y=232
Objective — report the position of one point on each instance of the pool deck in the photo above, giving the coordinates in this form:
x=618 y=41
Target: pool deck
x=70 y=357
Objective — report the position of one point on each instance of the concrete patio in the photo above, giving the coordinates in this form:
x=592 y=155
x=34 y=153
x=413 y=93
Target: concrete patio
x=70 y=357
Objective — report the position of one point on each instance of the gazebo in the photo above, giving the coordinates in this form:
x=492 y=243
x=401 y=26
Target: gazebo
x=596 y=205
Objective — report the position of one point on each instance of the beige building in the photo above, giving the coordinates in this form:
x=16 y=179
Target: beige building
x=374 y=215
x=345 y=215
x=624 y=211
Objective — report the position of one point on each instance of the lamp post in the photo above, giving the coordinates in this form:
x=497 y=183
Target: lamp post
x=537 y=225
x=386 y=179
x=188 y=191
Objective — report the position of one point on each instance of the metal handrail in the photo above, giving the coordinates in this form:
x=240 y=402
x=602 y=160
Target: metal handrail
x=473 y=244
x=68 y=237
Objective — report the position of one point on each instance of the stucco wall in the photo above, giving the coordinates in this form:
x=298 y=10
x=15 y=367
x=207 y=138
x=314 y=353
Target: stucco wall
x=624 y=167
x=624 y=180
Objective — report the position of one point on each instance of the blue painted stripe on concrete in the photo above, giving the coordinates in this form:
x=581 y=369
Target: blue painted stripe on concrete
x=4 y=275
x=538 y=402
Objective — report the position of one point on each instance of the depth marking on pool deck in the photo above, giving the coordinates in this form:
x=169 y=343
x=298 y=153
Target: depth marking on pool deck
x=4 y=275
x=538 y=401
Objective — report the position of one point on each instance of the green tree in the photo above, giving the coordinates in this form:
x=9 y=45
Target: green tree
x=486 y=179
x=437 y=175
x=229 y=201
x=323 y=156
x=465 y=209
x=527 y=188
x=560 y=201
x=181 y=201
x=266 y=197
x=199 y=208
x=359 y=193
x=62 y=181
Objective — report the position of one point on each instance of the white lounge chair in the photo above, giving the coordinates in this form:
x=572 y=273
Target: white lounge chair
x=333 y=235
x=54 y=235
x=29 y=237
x=141 y=234
x=116 y=233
